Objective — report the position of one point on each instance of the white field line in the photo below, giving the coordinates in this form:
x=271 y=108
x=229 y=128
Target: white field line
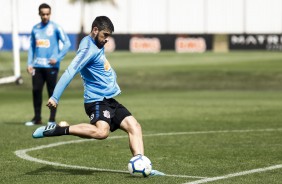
x=23 y=153
x=259 y=170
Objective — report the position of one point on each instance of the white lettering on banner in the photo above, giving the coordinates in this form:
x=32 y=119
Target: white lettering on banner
x=251 y=40
x=261 y=39
x=190 y=44
x=1 y=42
x=152 y=45
x=240 y=40
x=110 y=45
x=274 y=47
x=273 y=40
x=256 y=39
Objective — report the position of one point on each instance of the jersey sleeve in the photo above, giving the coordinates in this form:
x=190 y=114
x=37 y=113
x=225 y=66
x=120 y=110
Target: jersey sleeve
x=63 y=37
x=83 y=56
x=31 y=49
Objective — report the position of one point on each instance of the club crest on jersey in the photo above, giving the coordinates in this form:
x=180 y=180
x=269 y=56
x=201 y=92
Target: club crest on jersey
x=106 y=114
x=50 y=30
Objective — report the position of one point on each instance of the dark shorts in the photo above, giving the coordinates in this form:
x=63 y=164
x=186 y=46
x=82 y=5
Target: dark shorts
x=108 y=110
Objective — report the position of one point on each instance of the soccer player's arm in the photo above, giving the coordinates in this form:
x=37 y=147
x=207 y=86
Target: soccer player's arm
x=63 y=37
x=81 y=59
x=31 y=53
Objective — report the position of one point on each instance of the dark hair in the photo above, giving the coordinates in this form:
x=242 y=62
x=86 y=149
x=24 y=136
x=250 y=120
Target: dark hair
x=44 y=5
x=103 y=23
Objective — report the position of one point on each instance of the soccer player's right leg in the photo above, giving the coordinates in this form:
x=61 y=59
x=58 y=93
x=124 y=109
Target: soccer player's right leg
x=134 y=131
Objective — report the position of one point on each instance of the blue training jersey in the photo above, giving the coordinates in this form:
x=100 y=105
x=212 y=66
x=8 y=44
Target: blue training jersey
x=44 y=45
x=99 y=78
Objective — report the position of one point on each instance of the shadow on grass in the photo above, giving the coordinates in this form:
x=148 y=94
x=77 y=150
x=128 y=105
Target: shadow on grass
x=22 y=124
x=50 y=170
x=14 y=123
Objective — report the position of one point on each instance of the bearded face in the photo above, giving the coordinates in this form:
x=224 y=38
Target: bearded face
x=102 y=38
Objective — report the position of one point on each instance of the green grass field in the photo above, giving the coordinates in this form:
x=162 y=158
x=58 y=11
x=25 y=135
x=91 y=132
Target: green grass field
x=206 y=118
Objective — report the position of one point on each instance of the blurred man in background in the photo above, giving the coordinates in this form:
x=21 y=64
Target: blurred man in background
x=44 y=59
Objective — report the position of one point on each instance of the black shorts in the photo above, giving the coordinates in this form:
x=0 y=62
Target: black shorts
x=108 y=110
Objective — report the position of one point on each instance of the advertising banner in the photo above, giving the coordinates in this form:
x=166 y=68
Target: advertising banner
x=137 y=43
x=255 y=42
x=24 y=39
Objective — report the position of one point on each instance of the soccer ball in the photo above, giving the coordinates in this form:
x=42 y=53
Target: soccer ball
x=140 y=165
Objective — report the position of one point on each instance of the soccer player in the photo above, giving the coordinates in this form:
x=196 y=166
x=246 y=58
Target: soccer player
x=100 y=87
x=44 y=59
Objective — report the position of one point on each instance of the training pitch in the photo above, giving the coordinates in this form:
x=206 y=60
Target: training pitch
x=206 y=118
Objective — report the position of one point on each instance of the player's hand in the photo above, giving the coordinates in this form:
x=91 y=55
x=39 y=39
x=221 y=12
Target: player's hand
x=51 y=104
x=30 y=70
x=52 y=61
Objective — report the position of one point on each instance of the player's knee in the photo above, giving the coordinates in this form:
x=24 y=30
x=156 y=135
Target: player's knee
x=100 y=134
x=103 y=135
x=134 y=127
x=138 y=127
x=101 y=130
x=131 y=125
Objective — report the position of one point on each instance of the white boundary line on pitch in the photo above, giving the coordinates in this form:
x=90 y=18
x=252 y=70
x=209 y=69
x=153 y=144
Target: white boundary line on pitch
x=259 y=170
x=23 y=154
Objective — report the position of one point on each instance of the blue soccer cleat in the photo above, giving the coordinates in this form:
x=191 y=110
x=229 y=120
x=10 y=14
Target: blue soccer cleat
x=156 y=173
x=38 y=133
x=44 y=131
x=51 y=122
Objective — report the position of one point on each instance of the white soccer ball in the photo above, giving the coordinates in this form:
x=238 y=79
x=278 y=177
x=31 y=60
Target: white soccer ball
x=140 y=165
x=63 y=124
